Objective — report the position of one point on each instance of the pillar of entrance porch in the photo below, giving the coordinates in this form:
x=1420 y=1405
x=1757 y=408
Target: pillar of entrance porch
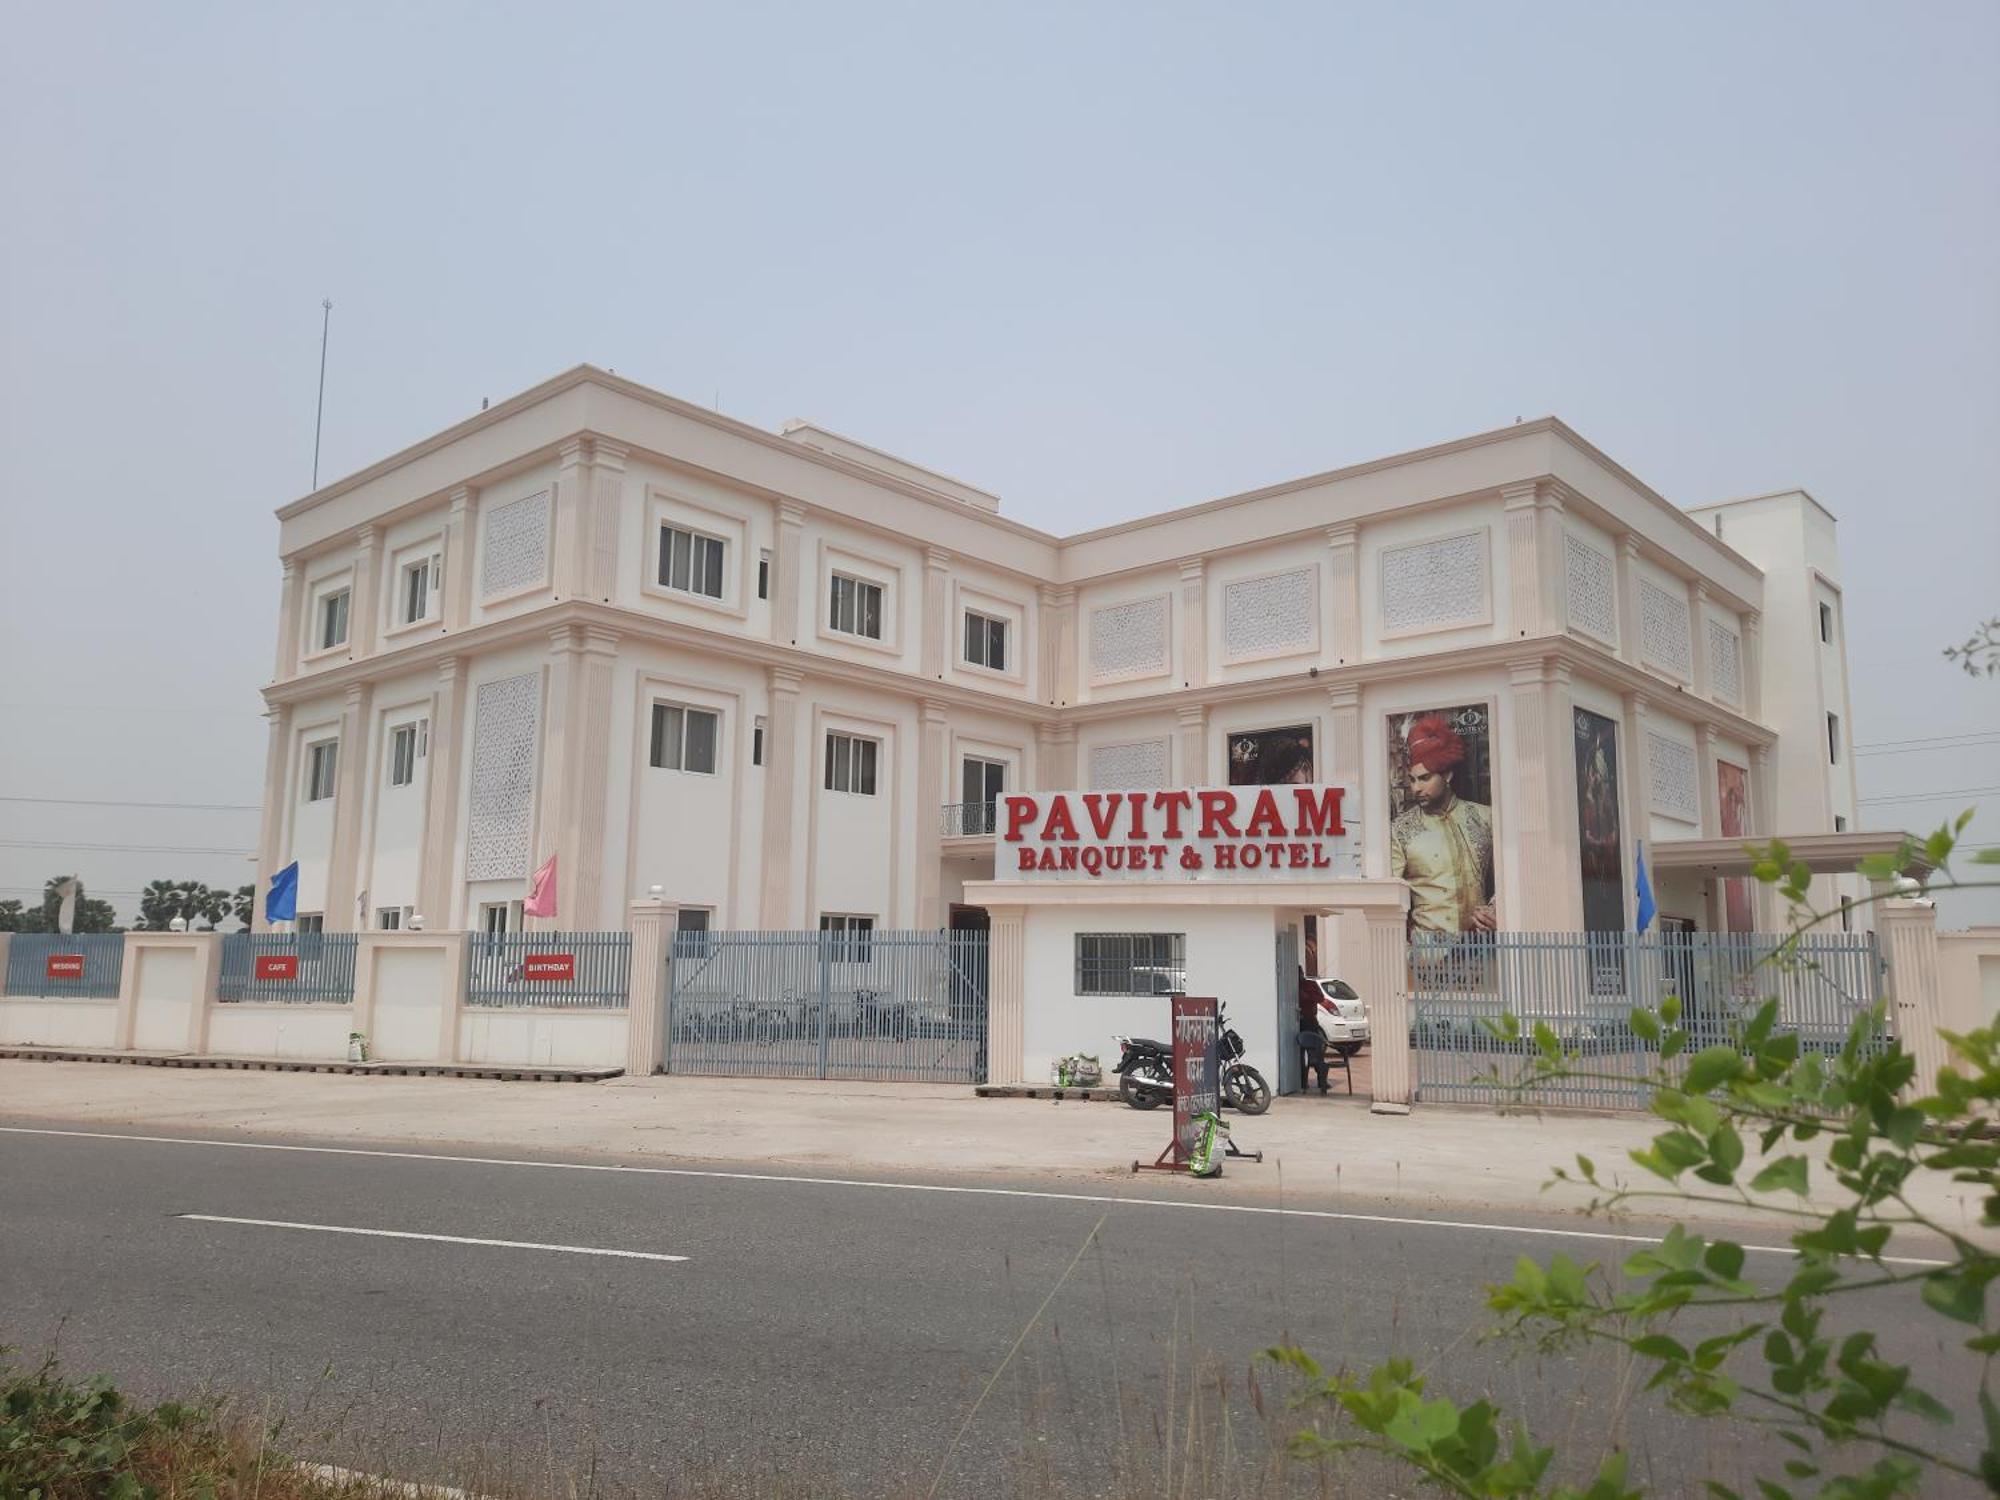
x=931 y=799
x=1388 y=997
x=1908 y=930
x=781 y=774
x=1006 y=994
x=653 y=925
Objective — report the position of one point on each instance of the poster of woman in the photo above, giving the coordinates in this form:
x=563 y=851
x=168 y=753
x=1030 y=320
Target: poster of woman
x=1441 y=817
x=1267 y=757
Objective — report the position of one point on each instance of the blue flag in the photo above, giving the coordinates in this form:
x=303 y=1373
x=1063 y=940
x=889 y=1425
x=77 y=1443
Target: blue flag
x=1646 y=907
x=281 y=901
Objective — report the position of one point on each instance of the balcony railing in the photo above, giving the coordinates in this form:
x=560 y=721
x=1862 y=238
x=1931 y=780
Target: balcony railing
x=966 y=819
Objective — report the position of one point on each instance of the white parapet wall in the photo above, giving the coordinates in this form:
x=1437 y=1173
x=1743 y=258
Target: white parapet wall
x=535 y=1037
x=28 y=1022
x=161 y=973
x=311 y=1033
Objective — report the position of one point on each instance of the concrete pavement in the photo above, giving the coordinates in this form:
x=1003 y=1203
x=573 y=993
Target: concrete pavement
x=1322 y=1151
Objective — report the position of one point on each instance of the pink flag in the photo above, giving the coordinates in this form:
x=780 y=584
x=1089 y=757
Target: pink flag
x=541 y=900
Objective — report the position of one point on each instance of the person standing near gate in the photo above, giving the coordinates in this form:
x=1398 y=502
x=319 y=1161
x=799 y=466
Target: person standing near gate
x=1312 y=1038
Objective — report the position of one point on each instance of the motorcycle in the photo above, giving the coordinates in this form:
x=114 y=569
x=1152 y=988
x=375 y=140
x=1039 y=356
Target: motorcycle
x=1146 y=1072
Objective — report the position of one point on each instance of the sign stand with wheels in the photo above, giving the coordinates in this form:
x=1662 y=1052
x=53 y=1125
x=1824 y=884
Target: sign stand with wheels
x=1197 y=1085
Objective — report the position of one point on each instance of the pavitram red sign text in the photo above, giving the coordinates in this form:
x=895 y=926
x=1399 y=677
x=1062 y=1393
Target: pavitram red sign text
x=1209 y=833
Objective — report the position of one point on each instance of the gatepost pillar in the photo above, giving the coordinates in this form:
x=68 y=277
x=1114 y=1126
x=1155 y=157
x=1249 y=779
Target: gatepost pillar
x=1006 y=993
x=653 y=925
x=1389 y=1009
x=1908 y=931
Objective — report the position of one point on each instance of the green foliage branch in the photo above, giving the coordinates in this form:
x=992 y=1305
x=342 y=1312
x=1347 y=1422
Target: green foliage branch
x=1783 y=1362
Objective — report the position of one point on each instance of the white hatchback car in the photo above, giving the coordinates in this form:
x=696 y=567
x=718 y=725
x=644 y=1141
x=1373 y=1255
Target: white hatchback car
x=1346 y=1026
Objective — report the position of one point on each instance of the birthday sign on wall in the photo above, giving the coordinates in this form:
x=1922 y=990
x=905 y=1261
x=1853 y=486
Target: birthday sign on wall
x=1243 y=833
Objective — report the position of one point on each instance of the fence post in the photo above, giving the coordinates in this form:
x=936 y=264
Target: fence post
x=457 y=973
x=201 y=986
x=128 y=997
x=1006 y=994
x=1909 y=940
x=653 y=924
x=364 y=992
x=1389 y=1010
x=6 y=938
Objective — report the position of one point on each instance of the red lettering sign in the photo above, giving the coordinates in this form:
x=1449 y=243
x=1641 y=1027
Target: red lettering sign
x=63 y=966
x=549 y=966
x=276 y=966
x=1248 y=833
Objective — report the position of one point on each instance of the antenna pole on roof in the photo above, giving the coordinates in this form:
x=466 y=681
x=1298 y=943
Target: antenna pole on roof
x=325 y=319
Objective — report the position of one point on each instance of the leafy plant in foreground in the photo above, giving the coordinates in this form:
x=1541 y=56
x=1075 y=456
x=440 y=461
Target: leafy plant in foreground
x=1734 y=1112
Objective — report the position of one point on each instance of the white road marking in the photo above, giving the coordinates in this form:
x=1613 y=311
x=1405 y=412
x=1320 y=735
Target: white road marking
x=442 y=1239
x=913 y=1187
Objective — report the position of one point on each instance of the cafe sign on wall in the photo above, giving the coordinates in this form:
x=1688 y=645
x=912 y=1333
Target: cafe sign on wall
x=1235 y=833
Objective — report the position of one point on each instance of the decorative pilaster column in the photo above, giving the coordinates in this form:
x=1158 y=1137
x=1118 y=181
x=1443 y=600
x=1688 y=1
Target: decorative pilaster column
x=1764 y=826
x=1554 y=559
x=1343 y=593
x=782 y=782
x=606 y=501
x=1527 y=576
x=1194 y=623
x=1638 y=773
x=288 y=623
x=589 y=488
x=1628 y=598
x=786 y=580
x=932 y=795
x=1006 y=994
x=437 y=858
x=270 y=843
x=1191 y=747
x=652 y=924
x=1388 y=976
x=1697 y=593
x=1908 y=931
x=1753 y=664
x=1343 y=763
x=1564 y=879
x=364 y=622
x=458 y=558
x=573 y=790
x=1055 y=758
x=1543 y=752
x=1058 y=635
x=937 y=639
x=1710 y=791
x=343 y=873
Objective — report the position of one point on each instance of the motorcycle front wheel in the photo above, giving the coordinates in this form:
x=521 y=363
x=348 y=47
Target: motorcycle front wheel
x=1146 y=1087
x=1244 y=1089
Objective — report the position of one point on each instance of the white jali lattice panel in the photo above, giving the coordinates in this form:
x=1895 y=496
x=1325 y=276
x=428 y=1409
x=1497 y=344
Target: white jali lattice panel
x=1435 y=585
x=504 y=716
x=1664 y=629
x=1270 y=616
x=1725 y=662
x=1127 y=767
x=1593 y=594
x=1675 y=793
x=517 y=546
x=1129 y=640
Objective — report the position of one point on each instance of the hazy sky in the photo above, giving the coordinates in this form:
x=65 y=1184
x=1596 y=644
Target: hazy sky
x=1101 y=259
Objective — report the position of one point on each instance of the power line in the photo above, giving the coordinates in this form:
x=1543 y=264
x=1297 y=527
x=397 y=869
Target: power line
x=116 y=802
x=1963 y=791
x=1922 y=749
x=1974 y=735
x=120 y=848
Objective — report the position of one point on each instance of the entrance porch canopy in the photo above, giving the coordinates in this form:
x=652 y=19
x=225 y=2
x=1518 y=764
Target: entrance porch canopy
x=1823 y=854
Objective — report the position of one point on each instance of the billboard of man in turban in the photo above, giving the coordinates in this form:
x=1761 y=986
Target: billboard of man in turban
x=1441 y=818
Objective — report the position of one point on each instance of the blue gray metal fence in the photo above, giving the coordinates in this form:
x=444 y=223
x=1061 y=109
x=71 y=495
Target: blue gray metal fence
x=567 y=970
x=1584 y=987
x=77 y=966
x=300 y=968
x=887 y=1005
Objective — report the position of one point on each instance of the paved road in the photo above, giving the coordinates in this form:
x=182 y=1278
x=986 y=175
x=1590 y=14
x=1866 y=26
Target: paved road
x=837 y=1331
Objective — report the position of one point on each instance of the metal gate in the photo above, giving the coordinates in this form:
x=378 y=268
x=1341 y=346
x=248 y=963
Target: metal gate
x=854 y=1004
x=1291 y=1068
x=1584 y=986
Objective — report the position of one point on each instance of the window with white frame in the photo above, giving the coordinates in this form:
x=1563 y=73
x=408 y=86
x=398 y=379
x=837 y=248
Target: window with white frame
x=850 y=764
x=309 y=921
x=684 y=738
x=1826 y=623
x=421 y=582
x=1131 y=963
x=982 y=781
x=1833 y=739
x=848 y=939
x=854 y=607
x=764 y=573
x=497 y=918
x=408 y=744
x=691 y=562
x=757 y=742
x=333 y=619
x=985 y=641
x=322 y=764
x=391 y=918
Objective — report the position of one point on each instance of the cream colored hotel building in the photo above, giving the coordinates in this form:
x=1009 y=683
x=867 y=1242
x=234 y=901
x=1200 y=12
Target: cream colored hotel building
x=779 y=676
